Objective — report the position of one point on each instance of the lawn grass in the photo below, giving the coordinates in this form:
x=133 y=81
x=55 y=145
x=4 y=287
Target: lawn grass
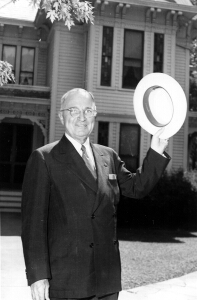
x=150 y=256
x=147 y=255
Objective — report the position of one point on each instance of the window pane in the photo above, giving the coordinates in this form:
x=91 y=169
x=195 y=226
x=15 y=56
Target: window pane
x=26 y=78
x=106 y=63
x=133 y=58
x=9 y=55
x=27 y=59
x=103 y=133
x=129 y=145
x=158 y=52
x=133 y=44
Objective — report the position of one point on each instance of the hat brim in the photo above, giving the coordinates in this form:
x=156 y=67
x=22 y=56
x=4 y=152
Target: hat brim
x=178 y=98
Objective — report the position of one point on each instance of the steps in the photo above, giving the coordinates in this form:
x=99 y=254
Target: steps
x=10 y=201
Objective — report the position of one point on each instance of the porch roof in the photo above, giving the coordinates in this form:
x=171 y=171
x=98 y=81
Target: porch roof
x=22 y=12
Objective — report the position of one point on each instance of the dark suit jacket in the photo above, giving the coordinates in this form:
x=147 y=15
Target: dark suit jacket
x=69 y=219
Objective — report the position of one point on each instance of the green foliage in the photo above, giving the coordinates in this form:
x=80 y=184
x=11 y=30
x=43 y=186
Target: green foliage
x=174 y=200
x=5 y=73
x=171 y=204
x=67 y=10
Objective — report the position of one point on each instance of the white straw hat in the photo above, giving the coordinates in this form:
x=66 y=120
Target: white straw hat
x=159 y=101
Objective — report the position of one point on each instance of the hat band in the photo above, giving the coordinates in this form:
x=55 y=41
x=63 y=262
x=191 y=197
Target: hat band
x=147 y=108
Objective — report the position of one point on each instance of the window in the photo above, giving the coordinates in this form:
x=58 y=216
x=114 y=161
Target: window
x=192 y=149
x=9 y=55
x=158 y=52
x=16 y=147
x=193 y=77
x=106 y=65
x=133 y=58
x=129 y=145
x=103 y=133
x=27 y=66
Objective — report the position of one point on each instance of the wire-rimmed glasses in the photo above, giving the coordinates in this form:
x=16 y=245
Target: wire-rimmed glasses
x=75 y=112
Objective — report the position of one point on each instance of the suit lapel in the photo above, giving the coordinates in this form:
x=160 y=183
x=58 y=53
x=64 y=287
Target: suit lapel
x=102 y=174
x=69 y=156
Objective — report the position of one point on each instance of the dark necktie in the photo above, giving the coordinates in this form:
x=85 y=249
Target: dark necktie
x=87 y=161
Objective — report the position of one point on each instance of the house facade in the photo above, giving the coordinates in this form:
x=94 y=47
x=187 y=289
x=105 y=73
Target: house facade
x=129 y=39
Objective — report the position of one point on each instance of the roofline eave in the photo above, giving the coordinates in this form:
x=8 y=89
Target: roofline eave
x=17 y=22
x=156 y=4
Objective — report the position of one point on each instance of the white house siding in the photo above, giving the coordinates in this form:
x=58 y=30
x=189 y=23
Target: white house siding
x=54 y=40
x=50 y=52
x=110 y=100
x=148 y=52
x=169 y=54
x=69 y=68
x=178 y=150
x=114 y=136
x=115 y=100
x=179 y=154
x=144 y=144
x=42 y=66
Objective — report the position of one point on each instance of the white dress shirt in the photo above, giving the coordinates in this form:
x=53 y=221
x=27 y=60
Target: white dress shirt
x=77 y=146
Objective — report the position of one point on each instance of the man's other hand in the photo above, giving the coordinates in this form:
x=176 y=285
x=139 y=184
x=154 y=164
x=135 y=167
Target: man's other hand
x=40 y=290
x=157 y=144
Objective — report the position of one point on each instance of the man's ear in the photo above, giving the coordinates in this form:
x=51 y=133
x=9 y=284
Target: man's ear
x=61 y=117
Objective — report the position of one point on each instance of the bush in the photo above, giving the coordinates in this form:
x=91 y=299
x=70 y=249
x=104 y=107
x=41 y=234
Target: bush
x=171 y=204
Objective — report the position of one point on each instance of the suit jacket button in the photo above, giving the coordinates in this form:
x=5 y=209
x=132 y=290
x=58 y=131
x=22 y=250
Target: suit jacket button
x=91 y=245
x=115 y=242
x=93 y=216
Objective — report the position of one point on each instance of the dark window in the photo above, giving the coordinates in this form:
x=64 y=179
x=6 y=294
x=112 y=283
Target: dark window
x=9 y=55
x=158 y=52
x=103 y=133
x=16 y=146
x=129 y=145
x=192 y=142
x=193 y=76
x=27 y=66
x=106 y=65
x=133 y=58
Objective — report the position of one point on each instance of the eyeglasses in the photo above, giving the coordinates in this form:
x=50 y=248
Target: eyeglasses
x=75 y=112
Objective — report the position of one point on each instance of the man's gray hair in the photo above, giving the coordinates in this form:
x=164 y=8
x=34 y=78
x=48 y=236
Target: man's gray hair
x=75 y=90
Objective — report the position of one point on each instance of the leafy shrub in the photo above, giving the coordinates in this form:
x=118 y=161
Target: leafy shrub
x=171 y=204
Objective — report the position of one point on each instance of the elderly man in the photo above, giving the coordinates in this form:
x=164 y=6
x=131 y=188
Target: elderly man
x=69 y=204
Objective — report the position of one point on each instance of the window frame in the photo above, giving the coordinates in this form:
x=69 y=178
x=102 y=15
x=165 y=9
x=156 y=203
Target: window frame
x=125 y=157
x=15 y=46
x=108 y=125
x=102 y=56
x=20 y=71
x=154 y=52
x=133 y=59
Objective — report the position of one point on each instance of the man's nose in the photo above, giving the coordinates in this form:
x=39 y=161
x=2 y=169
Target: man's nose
x=82 y=116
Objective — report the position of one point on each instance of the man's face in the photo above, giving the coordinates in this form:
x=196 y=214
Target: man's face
x=80 y=127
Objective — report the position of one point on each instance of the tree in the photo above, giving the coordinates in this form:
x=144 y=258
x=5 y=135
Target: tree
x=5 y=73
x=66 y=10
x=193 y=76
x=56 y=10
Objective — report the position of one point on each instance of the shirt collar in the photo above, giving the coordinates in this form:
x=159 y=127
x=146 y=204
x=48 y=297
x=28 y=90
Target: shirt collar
x=76 y=144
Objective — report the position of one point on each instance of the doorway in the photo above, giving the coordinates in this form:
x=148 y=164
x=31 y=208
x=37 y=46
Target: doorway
x=15 y=149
